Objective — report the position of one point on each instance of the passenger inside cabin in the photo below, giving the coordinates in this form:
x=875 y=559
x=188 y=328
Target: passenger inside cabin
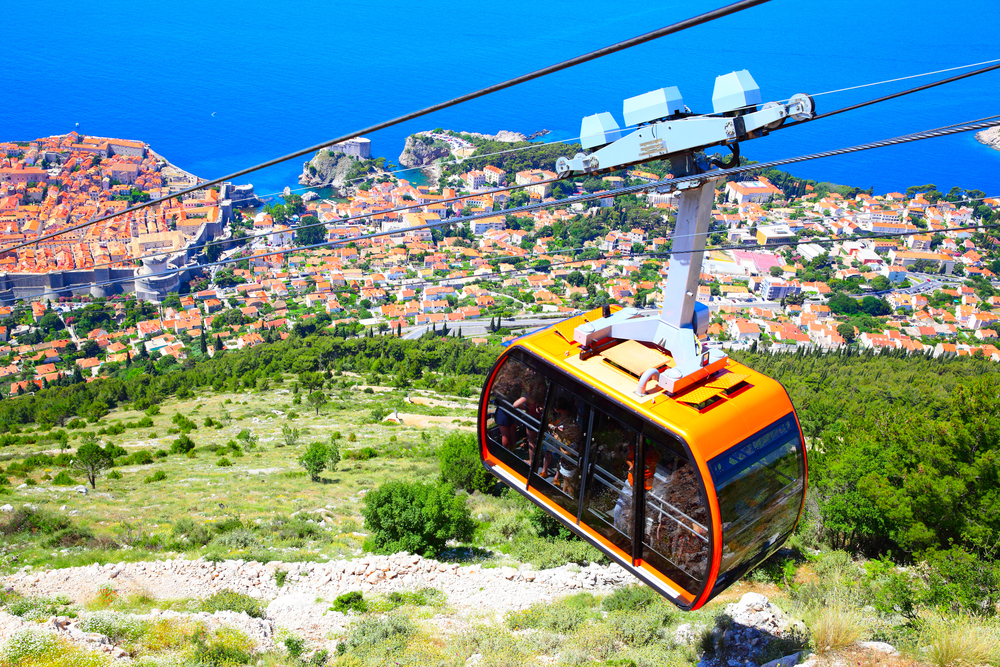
x=533 y=404
x=567 y=434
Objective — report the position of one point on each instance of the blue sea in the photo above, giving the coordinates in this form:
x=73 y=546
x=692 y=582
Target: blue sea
x=216 y=86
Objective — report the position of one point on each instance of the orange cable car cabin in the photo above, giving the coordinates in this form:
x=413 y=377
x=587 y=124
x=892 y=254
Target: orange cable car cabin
x=687 y=492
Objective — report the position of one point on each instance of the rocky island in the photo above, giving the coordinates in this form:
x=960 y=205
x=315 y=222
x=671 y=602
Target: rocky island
x=990 y=137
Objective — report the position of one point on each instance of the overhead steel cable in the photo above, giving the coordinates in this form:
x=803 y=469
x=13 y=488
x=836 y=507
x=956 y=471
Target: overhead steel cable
x=548 y=143
x=458 y=160
x=879 y=83
x=398 y=209
x=342 y=221
x=905 y=78
x=415 y=206
x=892 y=96
x=632 y=189
x=482 y=92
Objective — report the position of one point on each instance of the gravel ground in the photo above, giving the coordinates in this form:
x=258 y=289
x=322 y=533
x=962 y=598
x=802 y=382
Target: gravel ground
x=302 y=604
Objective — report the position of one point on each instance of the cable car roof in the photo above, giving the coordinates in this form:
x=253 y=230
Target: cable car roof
x=711 y=415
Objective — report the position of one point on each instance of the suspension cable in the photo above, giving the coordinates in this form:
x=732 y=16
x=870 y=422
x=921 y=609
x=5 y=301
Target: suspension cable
x=482 y=92
x=666 y=183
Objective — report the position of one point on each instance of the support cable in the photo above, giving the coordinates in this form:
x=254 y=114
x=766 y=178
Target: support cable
x=482 y=92
x=684 y=181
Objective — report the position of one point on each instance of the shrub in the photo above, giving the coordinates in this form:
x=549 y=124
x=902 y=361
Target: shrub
x=295 y=646
x=334 y=455
x=195 y=533
x=315 y=459
x=352 y=601
x=414 y=517
x=390 y=634
x=32 y=608
x=248 y=439
x=70 y=537
x=229 y=600
x=153 y=410
x=546 y=526
x=63 y=479
x=629 y=598
x=363 y=454
x=143 y=457
x=29 y=520
x=160 y=454
x=279 y=578
x=114 y=474
x=224 y=462
x=548 y=553
x=238 y=540
x=26 y=645
x=157 y=476
x=182 y=445
x=119 y=627
x=460 y=463
x=226 y=648
x=960 y=582
x=563 y=616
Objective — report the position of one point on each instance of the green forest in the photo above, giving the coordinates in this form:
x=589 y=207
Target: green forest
x=904 y=460
x=904 y=451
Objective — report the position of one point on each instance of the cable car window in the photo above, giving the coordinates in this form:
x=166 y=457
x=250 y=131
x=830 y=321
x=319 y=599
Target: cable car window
x=675 y=539
x=558 y=464
x=759 y=484
x=517 y=400
x=608 y=507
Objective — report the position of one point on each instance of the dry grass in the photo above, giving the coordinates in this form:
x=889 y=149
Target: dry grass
x=835 y=628
x=953 y=644
x=858 y=657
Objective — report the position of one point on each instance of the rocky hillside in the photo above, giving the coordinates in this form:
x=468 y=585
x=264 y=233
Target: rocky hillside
x=421 y=151
x=750 y=632
x=326 y=169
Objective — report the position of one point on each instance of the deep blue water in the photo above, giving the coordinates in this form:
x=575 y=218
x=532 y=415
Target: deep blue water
x=281 y=76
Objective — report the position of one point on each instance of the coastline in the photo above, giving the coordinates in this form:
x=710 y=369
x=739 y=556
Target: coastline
x=176 y=179
x=990 y=137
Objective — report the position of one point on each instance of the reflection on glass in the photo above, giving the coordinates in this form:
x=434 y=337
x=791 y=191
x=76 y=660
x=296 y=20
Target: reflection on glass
x=608 y=507
x=676 y=521
x=562 y=445
x=517 y=400
x=759 y=484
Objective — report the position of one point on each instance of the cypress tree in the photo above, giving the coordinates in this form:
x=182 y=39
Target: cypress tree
x=204 y=343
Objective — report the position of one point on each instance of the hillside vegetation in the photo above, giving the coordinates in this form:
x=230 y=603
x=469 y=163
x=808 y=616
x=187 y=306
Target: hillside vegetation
x=218 y=461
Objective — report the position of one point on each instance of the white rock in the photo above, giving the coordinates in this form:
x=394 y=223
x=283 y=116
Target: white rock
x=787 y=661
x=7 y=508
x=879 y=647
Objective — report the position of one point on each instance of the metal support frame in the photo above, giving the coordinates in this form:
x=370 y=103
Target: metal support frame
x=682 y=320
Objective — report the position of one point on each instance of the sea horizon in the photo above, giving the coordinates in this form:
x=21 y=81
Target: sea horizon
x=260 y=81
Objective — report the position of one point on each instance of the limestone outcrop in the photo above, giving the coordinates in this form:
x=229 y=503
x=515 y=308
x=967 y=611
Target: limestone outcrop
x=327 y=169
x=421 y=150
